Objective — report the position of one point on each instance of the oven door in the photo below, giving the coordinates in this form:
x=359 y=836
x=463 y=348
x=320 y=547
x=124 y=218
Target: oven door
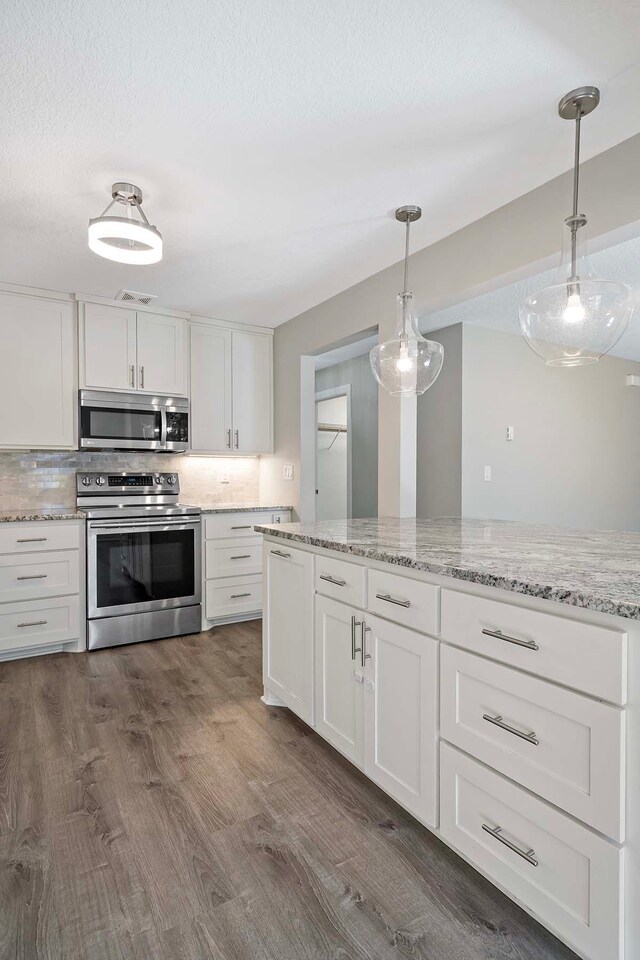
x=136 y=566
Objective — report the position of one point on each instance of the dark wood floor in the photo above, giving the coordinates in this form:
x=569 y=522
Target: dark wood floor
x=151 y=808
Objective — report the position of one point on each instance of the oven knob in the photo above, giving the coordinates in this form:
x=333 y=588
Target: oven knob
x=171 y=479
x=159 y=479
x=86 y=481
x=100 y=481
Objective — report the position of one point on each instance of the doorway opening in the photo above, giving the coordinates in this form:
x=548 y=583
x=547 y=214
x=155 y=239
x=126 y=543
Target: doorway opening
x=333 y=453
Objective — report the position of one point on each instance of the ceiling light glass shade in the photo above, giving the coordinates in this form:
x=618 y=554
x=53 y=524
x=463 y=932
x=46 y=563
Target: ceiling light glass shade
x=125 y=240
x=579 y=318
x=409 y=364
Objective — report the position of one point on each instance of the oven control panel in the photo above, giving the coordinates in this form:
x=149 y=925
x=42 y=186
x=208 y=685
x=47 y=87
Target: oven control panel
x=108 y=484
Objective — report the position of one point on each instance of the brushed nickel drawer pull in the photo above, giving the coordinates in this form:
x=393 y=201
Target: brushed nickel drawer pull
x=31 y=540
x=34 y=576
x=390 y=599
x=499 y=635
x=33 y=623
x=525 y=854
x=281 y=553
x=499 y=722
x=236 y=596
x=338 y=583
x=241 y=556
x=244 y=526
x=354 y=623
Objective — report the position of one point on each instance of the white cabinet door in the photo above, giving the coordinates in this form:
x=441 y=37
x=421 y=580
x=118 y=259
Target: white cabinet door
x=108 y=348
x=162 y=354
x=252 y=392
x=401 y=707
x=339 y=678
x=37 y=372
x=288 y=625
x=210 y=389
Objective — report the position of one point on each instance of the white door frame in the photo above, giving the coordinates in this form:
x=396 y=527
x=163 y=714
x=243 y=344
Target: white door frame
x=330 y=394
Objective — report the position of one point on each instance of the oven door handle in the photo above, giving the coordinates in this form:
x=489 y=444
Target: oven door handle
x=143 y=525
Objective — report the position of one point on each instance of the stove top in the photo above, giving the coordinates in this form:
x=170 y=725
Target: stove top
x=127 y=511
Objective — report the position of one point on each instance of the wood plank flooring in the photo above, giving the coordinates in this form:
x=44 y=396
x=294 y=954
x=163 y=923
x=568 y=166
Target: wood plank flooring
x=152 y=808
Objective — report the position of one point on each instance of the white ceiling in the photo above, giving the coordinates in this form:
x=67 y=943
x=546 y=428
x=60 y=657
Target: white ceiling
x=499 y=309
x=272 y=138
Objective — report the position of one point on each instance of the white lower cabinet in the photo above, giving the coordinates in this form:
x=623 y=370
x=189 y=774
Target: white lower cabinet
x=339 y=677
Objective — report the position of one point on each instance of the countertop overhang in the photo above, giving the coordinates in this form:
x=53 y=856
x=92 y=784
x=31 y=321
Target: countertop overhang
x=593 y=569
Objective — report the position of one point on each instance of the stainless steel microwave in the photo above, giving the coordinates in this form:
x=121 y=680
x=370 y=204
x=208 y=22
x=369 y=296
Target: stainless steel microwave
x=132 y=421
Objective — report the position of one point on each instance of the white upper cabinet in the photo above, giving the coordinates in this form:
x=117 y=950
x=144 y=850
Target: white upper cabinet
x=37 y=372
x=162 y=366
x=252 y=355
x=129 y=350
x=231 y=390
x=211 y=423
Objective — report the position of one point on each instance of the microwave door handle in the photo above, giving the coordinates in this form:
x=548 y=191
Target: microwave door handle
x=163 y=428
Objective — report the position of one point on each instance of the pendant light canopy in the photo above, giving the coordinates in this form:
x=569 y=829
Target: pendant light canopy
x=579 y=317
x=409 y=364
x=125 y=239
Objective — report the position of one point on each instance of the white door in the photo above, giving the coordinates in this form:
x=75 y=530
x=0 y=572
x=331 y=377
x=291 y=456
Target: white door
x=401 y=708
x=108 y=346
x=288 y=626
x=162 y=354
x=210 y=389
x=37 y=364
x=252 y=392
x=339 y=677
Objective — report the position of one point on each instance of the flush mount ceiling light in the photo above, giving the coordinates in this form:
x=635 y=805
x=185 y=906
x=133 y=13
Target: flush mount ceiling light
x=125 y=239
x=578 y=318
x=408 y=364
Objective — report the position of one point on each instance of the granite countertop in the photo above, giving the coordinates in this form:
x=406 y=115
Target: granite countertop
x=241 y=508
x=16 y=516
x=594 y=569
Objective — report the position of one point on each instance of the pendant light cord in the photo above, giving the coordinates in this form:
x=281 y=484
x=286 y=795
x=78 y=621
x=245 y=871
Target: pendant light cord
x=406 y=256
x=575 y=220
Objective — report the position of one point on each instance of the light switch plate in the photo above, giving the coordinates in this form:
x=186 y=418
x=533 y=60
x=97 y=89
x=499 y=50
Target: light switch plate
x=287 y=471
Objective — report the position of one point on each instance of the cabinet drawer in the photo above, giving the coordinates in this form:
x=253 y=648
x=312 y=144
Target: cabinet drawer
x=564 y=874
x=560 y=744
x=410 y=602
x=341 y=580
x=27 y=537
x=241 y=556
x=39 y=575
x=39 y=622
x=225 y=525
x=579 y=655
x=233 y=595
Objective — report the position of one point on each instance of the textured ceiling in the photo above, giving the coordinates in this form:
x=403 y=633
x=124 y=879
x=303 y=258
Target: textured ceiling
x=272 y=138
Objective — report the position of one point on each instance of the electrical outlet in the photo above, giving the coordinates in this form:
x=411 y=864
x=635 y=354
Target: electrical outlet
x=287 y=471
x=487 y=473
x=510 y=433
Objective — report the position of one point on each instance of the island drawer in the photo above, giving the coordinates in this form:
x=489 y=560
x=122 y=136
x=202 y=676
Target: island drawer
x=341 y=580
x=413 y=603
x=564 y=746
x=579 y=655
x=39 y=622
x=563 y=873
x=29 y=537
x=39 y=575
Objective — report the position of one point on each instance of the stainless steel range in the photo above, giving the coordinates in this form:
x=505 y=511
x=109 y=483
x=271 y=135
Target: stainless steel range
x=143 y=558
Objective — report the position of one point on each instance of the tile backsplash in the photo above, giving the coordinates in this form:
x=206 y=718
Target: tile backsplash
x=39 y=479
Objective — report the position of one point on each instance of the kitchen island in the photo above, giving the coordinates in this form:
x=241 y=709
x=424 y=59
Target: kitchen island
x=486 y=675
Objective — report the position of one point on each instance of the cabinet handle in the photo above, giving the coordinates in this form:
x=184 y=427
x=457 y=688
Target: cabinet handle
x=236 y=596
x=338 y=583
x=280 y=553
x=31 y=540
x=132 y=375
x=354 y=623
x=241 y=556
x=33 y=623
x=390 y=599
x=363 y=640
x=499 y=722
x=499 y=635
x=245 y=526
x=496 y=832
x=142 y=378
x=34 y=576
x=229 y=438
x=237 y=439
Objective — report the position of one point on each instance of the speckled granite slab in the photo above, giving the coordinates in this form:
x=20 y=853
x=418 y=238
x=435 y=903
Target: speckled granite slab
x=15 y=517
x=241 y=508
x=597 y=570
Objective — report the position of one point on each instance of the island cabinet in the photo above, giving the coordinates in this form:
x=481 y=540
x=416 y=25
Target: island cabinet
x=507 y=724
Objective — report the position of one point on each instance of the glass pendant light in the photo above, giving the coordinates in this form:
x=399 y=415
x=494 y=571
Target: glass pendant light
x=125 y=239
x=579 y=317
x=408 y=364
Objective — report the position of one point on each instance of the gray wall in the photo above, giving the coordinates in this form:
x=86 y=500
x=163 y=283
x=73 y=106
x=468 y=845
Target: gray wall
x=364 y=423
x=439 y=488
x=575 y=458
x=466 y=263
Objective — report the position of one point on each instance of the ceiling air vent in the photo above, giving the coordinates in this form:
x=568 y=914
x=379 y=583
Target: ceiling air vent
x=132 y=296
